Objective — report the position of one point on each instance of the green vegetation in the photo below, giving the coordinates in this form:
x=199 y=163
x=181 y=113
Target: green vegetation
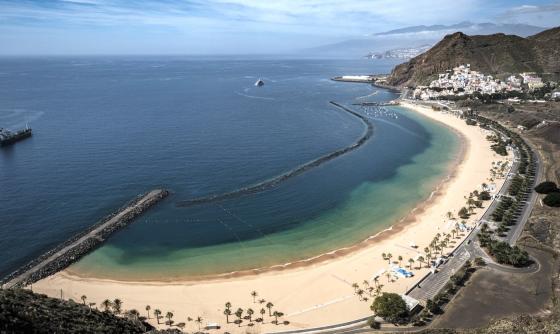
x=22 y=311
x=546 y=187
x=552 y=199
x=391 y=307
x=503 y=253
x=470 y=121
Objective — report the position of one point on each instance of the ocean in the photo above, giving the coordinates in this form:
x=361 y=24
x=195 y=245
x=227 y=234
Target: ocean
x=109 y=128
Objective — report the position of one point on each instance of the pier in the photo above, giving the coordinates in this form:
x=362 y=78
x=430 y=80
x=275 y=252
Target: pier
x=83 y=243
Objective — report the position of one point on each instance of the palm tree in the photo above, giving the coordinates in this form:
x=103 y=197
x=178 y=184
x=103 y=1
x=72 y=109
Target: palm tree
x=169 y=315
x=106 y=304
x=378 y=290
x=453 y=231
x=254 y=294
x=355 y=286
x=450 y=215
x=134 y=314
x=250 y=313
x=389 y=256
x=157 y=314
x=228 y=305
x=239 y=314
x=376 y=280
x=262 y=301
x=400 y=259
x=117 y=305
x=269 y=306
x=227 y=313
x=360 y=293
x=84 y=298
x=91 y=304
x=148 y=308
x=384 y=256
x=277 y=315
x=365 y=283
x=411 y=262
x=262 y=311
x=199 y=322
x=388 y=274
x=420 y=259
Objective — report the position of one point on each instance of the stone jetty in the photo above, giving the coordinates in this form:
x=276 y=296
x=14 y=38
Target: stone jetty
x=83 y=243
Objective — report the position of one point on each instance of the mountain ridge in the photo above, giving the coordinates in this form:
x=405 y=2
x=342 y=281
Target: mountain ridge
x=497 y=54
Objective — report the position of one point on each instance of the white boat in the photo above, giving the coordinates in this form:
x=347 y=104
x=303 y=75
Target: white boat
x=259 y=83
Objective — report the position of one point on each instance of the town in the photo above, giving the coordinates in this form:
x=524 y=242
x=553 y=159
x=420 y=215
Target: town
x=463 y=82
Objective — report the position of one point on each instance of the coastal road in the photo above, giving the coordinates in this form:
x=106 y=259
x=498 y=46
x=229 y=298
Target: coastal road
x=95 y=233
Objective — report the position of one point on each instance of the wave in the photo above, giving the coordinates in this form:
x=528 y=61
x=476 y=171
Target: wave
x=254 y=96
x=275 y=181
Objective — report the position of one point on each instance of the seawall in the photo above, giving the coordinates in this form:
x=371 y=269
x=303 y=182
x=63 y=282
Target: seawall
x=82 y=243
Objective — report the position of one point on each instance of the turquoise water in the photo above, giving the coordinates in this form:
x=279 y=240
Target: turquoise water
x=369 y=208
x=107 y=129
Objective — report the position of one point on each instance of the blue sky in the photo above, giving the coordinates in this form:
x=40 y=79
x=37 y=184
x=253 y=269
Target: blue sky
x=233 y=26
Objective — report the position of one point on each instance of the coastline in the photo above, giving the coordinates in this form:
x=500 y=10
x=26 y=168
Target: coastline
x=326 y=279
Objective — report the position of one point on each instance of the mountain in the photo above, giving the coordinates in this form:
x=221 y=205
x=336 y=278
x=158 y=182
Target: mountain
x=496 y=54
x=414 y=36
x=522 y=30
x=402 y=53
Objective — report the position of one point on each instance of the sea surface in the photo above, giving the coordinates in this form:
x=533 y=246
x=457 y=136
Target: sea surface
x=109 y=128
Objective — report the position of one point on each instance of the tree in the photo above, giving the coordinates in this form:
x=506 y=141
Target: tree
x=263 y=311
x=464 y=213
x=421 y=260
x=199 y=322
x=84 y=299
x=552 y=200
x=254 y=294
x=117 y=306
x=411 y=262
x=262 y=301
x=157 y=314
x=250 y=313
x=269 y=306
x=400 y=260
x=227 y=313
x=148 y=308
x=169 y=316
x=106 y=304
x=356 y=286
x=546 y=187
x=389 y=256
x=391 y=307
x=388 y=274
x=239 y=313
x=277 y=315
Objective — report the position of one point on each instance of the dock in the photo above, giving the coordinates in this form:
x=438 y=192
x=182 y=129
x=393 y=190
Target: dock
x=83 y=243
x=355 y=78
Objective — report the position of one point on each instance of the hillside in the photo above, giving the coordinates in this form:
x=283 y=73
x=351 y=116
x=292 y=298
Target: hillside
x=497 y=54
x=22 y=311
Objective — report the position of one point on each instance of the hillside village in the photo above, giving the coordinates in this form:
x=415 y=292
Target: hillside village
x=462 y=82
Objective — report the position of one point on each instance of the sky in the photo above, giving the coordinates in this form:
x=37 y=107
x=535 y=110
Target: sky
x=72 y=27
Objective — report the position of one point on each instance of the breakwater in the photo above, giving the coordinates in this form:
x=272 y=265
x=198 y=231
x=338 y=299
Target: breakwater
x=82 y=243
x=273 y=182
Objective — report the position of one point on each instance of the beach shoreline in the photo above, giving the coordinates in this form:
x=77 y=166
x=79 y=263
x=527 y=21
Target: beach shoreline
x=317 y=291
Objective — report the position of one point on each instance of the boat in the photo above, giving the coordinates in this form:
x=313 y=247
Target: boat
x=259 y=83
x=8 y=137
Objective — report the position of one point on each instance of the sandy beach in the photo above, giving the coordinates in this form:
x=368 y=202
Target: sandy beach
x=312 y=293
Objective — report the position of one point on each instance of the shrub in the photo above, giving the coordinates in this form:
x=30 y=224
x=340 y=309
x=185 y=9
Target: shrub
x=484 y=196
x=552 y=199
x=546 y=187
x=373 y=324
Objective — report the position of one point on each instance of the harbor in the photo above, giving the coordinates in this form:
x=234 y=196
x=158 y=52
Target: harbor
x=83 y=243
